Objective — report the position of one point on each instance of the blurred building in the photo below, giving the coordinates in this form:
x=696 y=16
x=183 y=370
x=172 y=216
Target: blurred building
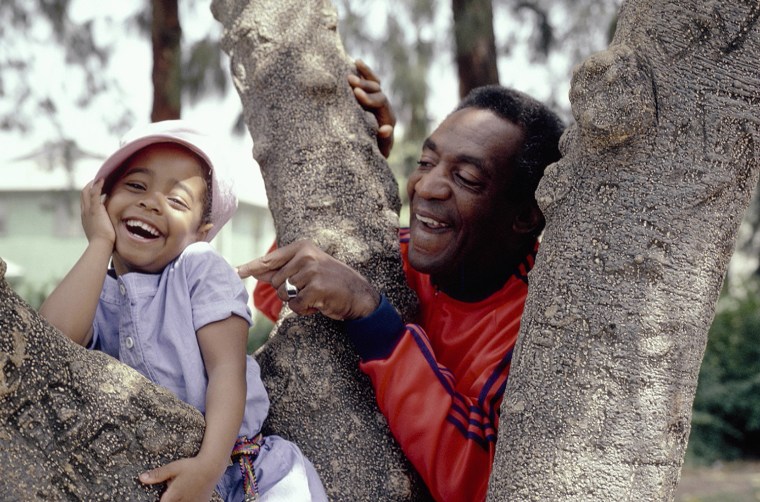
x=41 y=235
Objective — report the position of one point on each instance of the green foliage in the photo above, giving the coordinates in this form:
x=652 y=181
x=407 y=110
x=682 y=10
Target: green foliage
x=204 y=72
x=726 y=416
x=259 y=332
x=32 y=295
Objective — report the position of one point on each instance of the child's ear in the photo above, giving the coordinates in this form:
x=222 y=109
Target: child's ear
x=203 y=231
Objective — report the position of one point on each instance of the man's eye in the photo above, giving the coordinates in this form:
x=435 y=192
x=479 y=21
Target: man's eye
x=424 y=164
x=468 y=182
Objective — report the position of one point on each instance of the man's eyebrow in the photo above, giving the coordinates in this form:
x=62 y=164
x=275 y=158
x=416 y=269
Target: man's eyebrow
x=476 y=162
x=429 y=144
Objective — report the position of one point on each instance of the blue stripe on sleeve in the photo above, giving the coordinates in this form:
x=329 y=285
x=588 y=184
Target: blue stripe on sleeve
x=375 y=336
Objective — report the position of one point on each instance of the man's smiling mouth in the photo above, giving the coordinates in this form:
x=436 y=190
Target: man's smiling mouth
x=142 y=229
x=431 y=222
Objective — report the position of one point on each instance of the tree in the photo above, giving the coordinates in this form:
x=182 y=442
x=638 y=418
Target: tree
x=319 y=160
x=27 y=25
x=77 y=424
x=642 y=213
x=475 y=44
x=166 y=34
x=52 y=29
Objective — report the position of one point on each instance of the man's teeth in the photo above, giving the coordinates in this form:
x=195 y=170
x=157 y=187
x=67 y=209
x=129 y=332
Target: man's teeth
x=144 y=226
x=431 y=222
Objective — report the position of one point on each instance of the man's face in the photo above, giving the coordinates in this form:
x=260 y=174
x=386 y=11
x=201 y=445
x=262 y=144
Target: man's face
x=460 y=213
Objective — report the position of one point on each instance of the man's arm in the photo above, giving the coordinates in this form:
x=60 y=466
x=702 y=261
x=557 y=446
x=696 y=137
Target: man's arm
x=446 y=429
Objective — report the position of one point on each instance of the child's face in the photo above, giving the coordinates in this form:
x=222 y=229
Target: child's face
x=156 y=207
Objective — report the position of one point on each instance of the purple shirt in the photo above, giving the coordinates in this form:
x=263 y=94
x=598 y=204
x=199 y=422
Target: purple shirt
x=149 y=322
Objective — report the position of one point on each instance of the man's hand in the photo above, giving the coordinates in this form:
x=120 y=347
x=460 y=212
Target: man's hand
x=323 y=283
x=370 y=96
x=186 y=479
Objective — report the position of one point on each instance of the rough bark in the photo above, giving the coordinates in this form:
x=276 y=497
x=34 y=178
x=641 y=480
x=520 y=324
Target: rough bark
x=326 y=181
x=77 y=424
x=166 y=35
x=642 y=215
x=475 y=44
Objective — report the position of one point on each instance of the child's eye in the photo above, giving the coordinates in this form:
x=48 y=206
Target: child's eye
x=134 y=185
x=178 y=202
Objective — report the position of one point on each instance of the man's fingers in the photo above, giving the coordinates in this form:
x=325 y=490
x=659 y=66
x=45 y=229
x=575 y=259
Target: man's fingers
x=269 y=262
x=385 y=131
x=373 y=100
x=366 y=72
x=254 y=268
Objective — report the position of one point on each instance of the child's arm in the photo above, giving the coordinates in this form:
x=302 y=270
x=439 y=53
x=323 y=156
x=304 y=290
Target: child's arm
x=223 y=346
x=72 y=304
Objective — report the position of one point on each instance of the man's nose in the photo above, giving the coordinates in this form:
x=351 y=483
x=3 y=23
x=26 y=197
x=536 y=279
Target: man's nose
x=433 y=184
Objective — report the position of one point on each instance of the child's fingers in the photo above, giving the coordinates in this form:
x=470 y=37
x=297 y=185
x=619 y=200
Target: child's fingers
x=159 y=474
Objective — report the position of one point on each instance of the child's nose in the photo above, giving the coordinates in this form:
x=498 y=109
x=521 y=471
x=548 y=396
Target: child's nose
x=150 y=202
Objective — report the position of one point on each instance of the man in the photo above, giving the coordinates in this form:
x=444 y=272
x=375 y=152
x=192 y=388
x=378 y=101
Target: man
x=472 y=238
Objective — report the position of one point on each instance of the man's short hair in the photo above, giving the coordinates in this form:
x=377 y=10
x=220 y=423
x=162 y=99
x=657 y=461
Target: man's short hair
x=541 y=126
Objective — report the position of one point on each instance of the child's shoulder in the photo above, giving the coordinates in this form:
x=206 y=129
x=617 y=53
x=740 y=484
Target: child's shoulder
x=199 y=248
x=200 y=255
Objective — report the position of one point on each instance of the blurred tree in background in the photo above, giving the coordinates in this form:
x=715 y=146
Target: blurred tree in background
x=192 y=73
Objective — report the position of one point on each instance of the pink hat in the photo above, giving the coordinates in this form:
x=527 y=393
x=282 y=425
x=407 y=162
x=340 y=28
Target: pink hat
x=223 y=197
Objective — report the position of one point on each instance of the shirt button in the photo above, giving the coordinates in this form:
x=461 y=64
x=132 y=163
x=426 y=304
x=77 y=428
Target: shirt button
x=122 y=289
x=129 y=342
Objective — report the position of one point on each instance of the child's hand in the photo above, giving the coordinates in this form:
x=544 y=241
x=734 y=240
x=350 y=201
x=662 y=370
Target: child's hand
x=186 y=479
x=95 y=219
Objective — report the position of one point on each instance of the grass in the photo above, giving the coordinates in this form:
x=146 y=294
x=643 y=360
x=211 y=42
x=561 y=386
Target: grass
x=730 y=482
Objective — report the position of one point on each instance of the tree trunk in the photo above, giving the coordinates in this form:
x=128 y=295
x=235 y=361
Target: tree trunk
x=326 y=181
x=77 y=424
x=166 y=35
x=642 y=213
x=475 y=44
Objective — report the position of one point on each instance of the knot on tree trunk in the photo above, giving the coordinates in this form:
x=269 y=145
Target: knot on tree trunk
x=613 y=98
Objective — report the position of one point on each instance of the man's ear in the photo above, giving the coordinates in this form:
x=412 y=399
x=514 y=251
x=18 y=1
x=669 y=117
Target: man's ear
x=203 y=231
x=529 y=219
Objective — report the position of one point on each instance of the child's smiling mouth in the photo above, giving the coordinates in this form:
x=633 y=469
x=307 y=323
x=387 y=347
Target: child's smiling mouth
x=142 y=229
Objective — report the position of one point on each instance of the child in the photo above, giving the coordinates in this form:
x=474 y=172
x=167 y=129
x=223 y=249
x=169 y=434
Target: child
x=172 y=308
